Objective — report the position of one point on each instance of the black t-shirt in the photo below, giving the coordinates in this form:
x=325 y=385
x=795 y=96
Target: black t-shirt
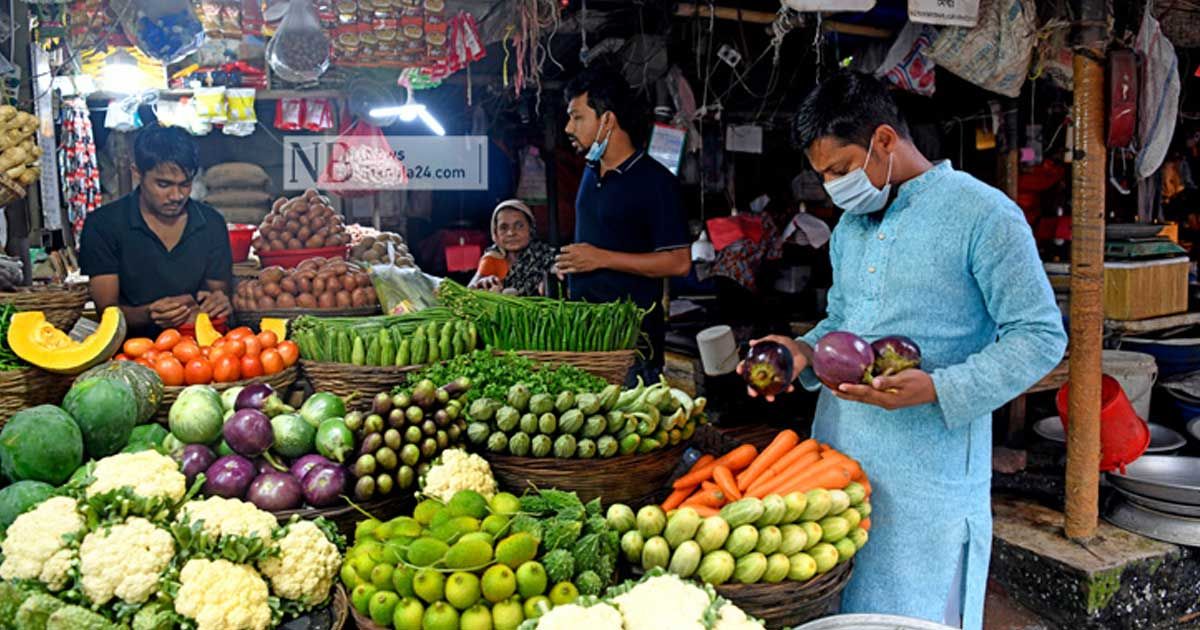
x=117 y=240
x=633 y=208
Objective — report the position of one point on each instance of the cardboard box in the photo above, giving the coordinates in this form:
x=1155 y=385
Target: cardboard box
x=1141 y=290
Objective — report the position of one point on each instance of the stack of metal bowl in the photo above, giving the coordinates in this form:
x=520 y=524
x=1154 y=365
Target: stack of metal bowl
x=1158 y=496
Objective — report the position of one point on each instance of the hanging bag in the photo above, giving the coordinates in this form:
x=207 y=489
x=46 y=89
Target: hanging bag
x=299 y=51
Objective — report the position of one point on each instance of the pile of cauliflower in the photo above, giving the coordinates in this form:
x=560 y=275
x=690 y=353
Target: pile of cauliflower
x=457 y=470
x=660 y=600
x=126 y=562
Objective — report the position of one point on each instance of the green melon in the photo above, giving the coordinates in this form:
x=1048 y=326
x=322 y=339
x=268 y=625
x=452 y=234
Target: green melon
x=106 y=413
x=19 y=498
x=147 y=387
x=41 y=443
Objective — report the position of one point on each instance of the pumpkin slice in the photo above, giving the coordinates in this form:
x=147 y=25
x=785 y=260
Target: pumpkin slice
x=206 y=335
x=39 y=343
x=275 y=325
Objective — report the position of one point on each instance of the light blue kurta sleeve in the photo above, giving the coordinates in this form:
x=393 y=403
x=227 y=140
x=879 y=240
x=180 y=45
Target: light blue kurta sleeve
x=1030 y=337
x=834 y=315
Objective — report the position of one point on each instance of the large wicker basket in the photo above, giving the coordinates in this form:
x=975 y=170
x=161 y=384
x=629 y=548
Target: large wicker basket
x=344 y=379
x=62 y=304
x=279 y=382
x=610 y=366
x=631 y=479
x=788 y=604
x=30 y=387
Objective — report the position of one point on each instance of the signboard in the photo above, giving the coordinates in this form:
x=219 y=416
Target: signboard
x=944 y=12
x=385 y=163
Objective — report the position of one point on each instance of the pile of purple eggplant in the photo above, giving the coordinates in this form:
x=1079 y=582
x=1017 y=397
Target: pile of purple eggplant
x=839 y=357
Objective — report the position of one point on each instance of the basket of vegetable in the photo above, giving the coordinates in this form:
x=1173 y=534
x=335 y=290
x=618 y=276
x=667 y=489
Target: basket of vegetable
x=279 y=381
x=611 y=366
x=317 y=284
x=62 y=304
x=23 y=386
x=788 y=604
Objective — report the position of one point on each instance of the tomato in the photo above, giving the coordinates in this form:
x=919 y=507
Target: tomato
x=144 y=363
x=137 y=346
x=198 y=372
x=268 y=339
x=186 y=351
x=153 y=355
x=289 y=351
x=122 y=357
x=251 y=367
x=240 y=332
x=206 y=352
x=170 y=370
x=272 y=362
x=167 y=340
x=236 y=348
x=227 y=368
x=253 y=348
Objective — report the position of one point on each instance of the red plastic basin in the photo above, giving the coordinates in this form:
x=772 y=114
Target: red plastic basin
x=1123 y=435
x=240 y=236
x=289 y=258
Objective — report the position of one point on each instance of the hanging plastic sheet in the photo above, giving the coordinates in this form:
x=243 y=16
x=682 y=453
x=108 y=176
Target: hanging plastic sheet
x=1159 y=99
x=907 y=65
x=166 y=30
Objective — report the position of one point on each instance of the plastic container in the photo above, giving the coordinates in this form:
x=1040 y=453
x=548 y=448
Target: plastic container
x=240 y=235
x=1177 y=355
x=289 y=258
x=1123 y=435
x=1137 y=372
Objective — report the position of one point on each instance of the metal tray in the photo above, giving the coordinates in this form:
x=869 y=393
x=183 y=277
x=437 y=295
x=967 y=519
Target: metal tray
x=1179 y=530
x=1177 y=509
x=1164 y=477
x=1162 y=439
x=1122 y=231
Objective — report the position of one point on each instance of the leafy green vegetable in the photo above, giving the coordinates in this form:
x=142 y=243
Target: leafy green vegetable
x=499 y=372
x=561 y=533
x=560 y=566
x=589 y=583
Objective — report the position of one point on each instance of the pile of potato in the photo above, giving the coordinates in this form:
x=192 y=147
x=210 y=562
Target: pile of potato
x=316 y=283
x=371 y=246
x=304 y=222
x=20 y=157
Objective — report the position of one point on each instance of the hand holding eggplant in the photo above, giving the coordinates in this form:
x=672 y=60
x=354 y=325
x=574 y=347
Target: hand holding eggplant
x=772 y=366
x=908 y=388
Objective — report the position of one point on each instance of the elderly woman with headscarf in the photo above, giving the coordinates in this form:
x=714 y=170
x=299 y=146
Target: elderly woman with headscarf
x=517 y=263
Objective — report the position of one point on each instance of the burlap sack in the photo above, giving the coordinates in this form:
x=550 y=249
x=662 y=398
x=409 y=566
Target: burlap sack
x=236 y=175
x=242 y=214
x=238 y=197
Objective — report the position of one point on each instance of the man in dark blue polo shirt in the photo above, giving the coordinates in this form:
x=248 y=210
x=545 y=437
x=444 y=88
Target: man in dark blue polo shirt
x=630 y=230
x=156 y=254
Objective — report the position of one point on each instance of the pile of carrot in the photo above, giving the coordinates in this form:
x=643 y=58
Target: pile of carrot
x=786 y=465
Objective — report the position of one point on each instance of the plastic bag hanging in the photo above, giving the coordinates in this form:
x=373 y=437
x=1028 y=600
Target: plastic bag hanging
x=299 y=51
x=166 y=30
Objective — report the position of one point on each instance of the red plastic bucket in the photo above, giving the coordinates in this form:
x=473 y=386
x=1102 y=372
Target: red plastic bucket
x=1123 y=435
x=240 y=236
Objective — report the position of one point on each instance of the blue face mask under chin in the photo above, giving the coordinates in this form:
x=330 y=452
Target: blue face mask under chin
x=598 y=147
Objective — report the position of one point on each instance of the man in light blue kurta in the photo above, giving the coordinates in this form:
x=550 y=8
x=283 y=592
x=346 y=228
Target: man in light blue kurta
x=933 y=254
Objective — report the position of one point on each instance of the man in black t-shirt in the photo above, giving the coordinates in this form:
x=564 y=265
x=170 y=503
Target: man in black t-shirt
x=630 y=230
x=155 y=253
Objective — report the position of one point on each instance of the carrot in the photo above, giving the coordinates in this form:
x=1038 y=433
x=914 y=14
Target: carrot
x=784 y=441
x=781 y=478
x=677 y=497
x=709 y=486
x=851 y=465
x=705 y=498
x=804 y=448
x=724 y=479
x=866 y=484
x=705 y=511
x=736 y=459
x=828 y=470
x=865 y=524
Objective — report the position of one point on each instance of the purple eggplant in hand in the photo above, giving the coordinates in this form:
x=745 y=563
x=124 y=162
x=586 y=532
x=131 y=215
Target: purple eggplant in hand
x=767 y=368
x=894 y=354
x=842 y=357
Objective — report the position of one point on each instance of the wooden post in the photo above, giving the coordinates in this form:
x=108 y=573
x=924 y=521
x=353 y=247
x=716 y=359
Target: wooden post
x=1087 y=275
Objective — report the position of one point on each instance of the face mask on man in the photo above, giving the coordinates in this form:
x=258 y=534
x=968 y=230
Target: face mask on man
x=854 y=192
x=598 y=146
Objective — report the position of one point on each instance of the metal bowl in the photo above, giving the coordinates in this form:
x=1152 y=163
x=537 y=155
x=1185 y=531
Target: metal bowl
x=1177 y=509
x=1164 y=477
x=1162 y=439
x=1150 y=523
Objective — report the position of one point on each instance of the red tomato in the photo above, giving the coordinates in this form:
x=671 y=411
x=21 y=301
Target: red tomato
x=137 y=346
x=198 y=372
x=251 y=367
x=289 y=351
x=268 y=339
x=144 y=363
x=186 y=351
x=272 y=362
x=253 y=348
x=236 y=348
x=240 y=333
x=122 y=357
x=170 y=370
x=153 y=355
x=167 y=340
x=227 y=368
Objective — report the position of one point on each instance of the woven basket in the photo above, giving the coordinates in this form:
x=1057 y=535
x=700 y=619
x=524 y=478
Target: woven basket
x=630 y=479
x=788 y=604
x=364 y=622
x=610 y=366
x=10 y=190
x=344 y=379
x=62 y=304
x=279 y=382
x=347 y=517
x=30 y=387
x=341 y=608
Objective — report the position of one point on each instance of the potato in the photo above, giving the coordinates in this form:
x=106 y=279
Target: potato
x=316 y=223
x=306 y=300
x=314 y=242
x=258 y=243
x=271 y=290
x=358 y=298
x=278 y=204
x=256 y=291
x=326 y=300
x=285 y=300
x=372 y=298
x=288 y=286
x=337 y=267
x=364 y=279
x=349 y=284
x=304 y=233
x=318 y=284
x=295 y=244
x=303 y=283
x=292 y=226
x=274 y=273
x=277 y=244
x=305 y=265
x=265 y=303
x=344 y=300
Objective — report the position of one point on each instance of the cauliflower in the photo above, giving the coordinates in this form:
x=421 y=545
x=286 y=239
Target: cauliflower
x=35 y=548
x=664 y=602
x=230 y=517
x=573 y=616
x=731 y=617
x=124 y=561
x=306 y=565
x=148 y=474
x=459 y=471
x=221 y=595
